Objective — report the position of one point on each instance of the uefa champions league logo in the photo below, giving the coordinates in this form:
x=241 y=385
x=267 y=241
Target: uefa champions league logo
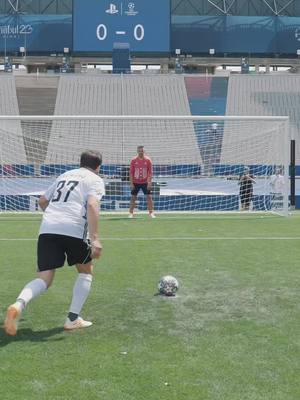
x=114 y=10
x=131 y=11
x=297 y=34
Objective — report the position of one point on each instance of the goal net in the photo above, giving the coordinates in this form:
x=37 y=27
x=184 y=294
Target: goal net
x=199 y=163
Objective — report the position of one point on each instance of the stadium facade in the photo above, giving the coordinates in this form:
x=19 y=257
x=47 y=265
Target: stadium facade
x=229 y=27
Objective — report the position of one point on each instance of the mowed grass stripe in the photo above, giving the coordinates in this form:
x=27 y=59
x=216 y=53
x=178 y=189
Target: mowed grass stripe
x=173 y=238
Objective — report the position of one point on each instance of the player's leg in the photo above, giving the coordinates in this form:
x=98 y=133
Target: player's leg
x=132 y=205
x=150 y=205
x=35 y=287
x=82 y=285
x=242 y=199
x=50 y=256
x=242 y=204
x=248 y=197
x=30 y=291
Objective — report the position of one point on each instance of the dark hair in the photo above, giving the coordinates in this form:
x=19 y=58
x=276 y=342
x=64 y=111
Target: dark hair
x=90 y=159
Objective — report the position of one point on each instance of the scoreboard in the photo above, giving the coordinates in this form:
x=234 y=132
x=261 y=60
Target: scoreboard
x=144 y=24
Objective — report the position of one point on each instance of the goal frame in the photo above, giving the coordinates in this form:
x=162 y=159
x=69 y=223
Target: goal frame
x=284 y=119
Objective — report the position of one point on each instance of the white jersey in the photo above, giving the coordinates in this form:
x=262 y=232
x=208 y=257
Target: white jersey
x=67 y=196
x=277 y=183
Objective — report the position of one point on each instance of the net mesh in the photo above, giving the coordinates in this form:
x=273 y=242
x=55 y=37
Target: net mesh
x=199 y=162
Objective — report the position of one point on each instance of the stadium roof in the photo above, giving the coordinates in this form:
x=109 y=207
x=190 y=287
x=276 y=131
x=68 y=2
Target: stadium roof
x=236 y=7
x=179 y=7
x=36 y=6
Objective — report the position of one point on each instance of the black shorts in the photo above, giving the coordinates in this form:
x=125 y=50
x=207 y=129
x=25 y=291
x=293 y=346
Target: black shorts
x=53 y=249
x=140 y=186
x=246 y=196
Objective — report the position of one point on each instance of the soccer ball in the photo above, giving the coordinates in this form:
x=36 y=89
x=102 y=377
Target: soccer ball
x=168 y=285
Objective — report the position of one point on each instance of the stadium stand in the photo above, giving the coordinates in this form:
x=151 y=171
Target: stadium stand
x=12 y=150
x=207 y=96
x=117 y=95
x=139 y=95
x=266 y=95
x=122 y=95
x=36 y=96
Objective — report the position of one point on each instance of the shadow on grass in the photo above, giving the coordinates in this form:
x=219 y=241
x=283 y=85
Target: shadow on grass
x=141 y=217
x=105 y=218
x=29 y=335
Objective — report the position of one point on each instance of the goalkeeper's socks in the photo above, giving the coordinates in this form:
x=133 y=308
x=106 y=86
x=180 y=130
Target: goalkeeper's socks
x=72 y=316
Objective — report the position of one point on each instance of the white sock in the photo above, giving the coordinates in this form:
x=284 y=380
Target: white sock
x=31 y=290
x=81 y=291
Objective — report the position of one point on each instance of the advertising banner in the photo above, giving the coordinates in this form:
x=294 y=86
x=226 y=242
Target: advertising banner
x=236 y=34
x=35 y=33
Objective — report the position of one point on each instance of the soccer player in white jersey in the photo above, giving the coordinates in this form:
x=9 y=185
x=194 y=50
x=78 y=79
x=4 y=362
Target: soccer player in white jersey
x=69 y=230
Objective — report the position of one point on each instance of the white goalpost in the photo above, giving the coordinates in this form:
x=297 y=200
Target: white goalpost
x=199 y=162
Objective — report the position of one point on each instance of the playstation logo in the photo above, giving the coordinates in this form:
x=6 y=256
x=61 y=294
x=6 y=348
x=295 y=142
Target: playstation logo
x=131 y=10
x=112 y=9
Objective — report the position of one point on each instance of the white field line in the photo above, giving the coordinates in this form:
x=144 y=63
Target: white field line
x=174 y=238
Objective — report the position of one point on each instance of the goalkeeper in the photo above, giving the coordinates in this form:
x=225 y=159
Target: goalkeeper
x=140 y=176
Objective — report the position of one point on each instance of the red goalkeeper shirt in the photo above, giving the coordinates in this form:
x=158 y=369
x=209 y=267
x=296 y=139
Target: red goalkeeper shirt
x=141 y=169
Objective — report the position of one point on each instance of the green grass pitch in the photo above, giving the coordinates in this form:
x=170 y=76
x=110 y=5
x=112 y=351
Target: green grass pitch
x=231 y=333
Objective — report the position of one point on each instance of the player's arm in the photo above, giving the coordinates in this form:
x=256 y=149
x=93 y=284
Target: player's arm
x=92 y=219
x=43 y=202
x=45 y=198
x=131 y=173
x=149 y=174
x=252 y=177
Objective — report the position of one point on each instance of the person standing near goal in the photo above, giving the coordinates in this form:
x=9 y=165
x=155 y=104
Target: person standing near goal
x=277 y=183
x=69 y=229
x=246 y=182
x=140 y=177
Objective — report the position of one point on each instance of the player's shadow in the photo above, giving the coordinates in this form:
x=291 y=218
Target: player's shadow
x=28 y=335
x=116 y=219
